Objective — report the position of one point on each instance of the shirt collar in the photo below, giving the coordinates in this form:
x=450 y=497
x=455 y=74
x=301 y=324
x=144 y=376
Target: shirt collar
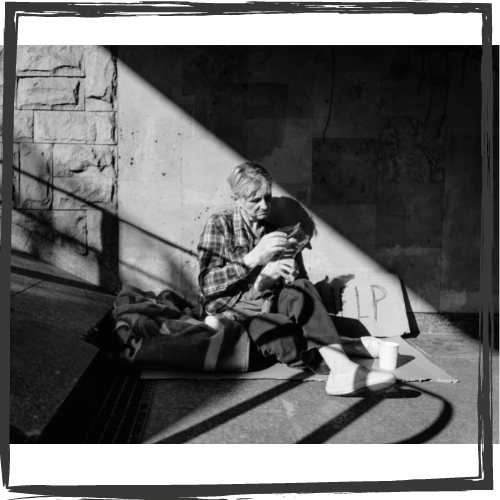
x=243 y=235
x=238 y=222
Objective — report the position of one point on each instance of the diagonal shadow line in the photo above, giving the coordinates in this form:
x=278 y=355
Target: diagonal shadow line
x=435 y=428
x=56 y=279
x=351 y=414
x=67 y=281
x=89 y=248
x=338 y=423
x=95 y=206
x=318 y=436
x=231 y=413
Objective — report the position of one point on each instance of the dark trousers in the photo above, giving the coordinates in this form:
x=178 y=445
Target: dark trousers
x=293 y=332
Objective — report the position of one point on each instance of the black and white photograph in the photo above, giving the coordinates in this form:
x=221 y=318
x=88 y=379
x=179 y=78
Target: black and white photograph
x=250 y=243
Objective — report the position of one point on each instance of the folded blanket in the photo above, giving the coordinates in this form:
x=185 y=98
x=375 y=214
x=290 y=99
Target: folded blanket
x=162 y=331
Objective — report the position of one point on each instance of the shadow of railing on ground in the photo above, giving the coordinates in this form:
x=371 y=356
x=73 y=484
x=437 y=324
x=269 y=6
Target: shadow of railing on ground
x=225 y=416
x=331 y=428
x=347 y=417
x=321 y=435
x=338 y=423
x=437 y=426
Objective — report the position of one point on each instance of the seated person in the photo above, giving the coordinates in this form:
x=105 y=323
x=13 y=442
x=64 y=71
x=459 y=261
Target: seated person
x=287 y=319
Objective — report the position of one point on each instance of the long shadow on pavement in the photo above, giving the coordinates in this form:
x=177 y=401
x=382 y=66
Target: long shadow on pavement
x=434 y=429
x=348 y=416
x=319 y=436
x=326 y=431
x=227 y=415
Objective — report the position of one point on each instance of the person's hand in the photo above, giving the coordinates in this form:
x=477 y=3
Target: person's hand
x=286 y=268
x=293 y=275
x=291 y=248
x=268 y=244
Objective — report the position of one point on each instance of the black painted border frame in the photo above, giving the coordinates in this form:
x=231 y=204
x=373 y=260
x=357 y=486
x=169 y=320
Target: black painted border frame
x=484 y=480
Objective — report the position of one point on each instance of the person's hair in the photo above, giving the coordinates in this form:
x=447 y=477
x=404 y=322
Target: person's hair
x=248 y=178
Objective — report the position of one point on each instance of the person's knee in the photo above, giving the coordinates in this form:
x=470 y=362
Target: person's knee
x=302 y=283
x=288 y=344
x=278 y=336
x=299 y=298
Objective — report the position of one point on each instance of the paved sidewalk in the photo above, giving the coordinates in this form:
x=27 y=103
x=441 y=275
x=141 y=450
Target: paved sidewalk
x=271 y=411
x=51 y=308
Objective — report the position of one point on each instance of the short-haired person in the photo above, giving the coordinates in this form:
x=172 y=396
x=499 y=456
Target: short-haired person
x=288 y=320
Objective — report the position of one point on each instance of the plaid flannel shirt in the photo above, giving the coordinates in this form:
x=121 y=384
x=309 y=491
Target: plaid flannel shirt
x=221 y=249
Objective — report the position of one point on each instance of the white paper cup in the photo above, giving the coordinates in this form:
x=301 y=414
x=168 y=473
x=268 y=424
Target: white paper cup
x=388 y=355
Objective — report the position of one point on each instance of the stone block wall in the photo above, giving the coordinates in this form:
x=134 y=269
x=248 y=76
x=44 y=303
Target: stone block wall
x=376 y=149
x=65 y=159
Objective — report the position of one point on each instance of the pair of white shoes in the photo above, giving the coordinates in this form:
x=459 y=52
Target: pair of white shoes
x=362 y=379
x=345 y=384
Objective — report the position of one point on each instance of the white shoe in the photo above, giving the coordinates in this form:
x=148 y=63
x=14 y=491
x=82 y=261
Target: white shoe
x=366 y=347
x=372 y=380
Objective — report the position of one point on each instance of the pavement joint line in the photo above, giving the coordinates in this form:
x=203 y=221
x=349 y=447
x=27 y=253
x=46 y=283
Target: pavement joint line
x=26 y=289
x=419 y=349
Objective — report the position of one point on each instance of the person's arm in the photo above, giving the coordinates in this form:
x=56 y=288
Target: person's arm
x=216 y=274
x=285 y=268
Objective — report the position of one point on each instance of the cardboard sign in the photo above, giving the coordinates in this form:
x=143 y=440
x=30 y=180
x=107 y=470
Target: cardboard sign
x=369 y=303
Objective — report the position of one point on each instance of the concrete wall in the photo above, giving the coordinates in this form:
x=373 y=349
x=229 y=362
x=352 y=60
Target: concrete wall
x=375 y=149
x=64 y=193
x=392 y=180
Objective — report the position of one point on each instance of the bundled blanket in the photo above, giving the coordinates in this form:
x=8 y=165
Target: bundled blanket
x=163 y=331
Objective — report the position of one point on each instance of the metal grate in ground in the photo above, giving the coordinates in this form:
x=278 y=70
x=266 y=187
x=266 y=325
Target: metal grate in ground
x=108 y=405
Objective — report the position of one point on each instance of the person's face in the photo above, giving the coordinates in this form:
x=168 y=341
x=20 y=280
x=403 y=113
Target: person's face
x=256 y=207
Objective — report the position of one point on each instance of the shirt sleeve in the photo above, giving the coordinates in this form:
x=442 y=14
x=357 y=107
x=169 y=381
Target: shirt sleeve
x=217 y=275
